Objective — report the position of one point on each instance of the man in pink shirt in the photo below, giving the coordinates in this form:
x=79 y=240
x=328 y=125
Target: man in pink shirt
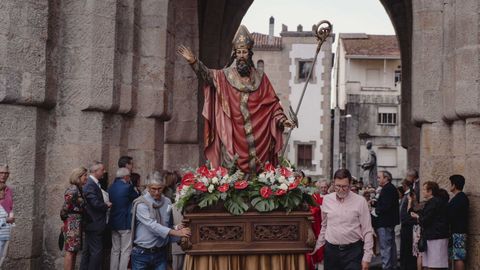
x=346 y=233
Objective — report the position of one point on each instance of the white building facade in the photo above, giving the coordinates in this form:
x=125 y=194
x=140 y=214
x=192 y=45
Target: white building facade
x=286 y=60
x=368 y=79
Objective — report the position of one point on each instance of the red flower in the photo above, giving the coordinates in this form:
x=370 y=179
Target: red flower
x=242 y=184
x=223 y=188
x=222 y=171
x=285 y=172
x=200 y=187
x=203 y=171
x=294 y=185
x=188 y=179
x=280 y=192
x=266 y=192
x=211 y=174
x=269 y=167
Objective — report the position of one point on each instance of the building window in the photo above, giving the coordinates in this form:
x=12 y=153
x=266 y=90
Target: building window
x=387 y=115
x=304 y=156
x=303 y=69
x=398 y=77
x=387 y=157
x=260 y=65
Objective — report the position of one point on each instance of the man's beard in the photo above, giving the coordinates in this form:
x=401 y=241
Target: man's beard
x=243 y=68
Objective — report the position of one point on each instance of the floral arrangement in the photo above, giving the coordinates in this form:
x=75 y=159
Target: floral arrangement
x=273 y=188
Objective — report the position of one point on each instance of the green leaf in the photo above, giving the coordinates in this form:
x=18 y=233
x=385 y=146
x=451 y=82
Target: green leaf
x=308 y=199
x=236 y=205
x=291 y=200
x=208 y=199
x=264 y=205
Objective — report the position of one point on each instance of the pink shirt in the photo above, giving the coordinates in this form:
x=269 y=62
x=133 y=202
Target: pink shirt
x=345 y=222
x=7 y=202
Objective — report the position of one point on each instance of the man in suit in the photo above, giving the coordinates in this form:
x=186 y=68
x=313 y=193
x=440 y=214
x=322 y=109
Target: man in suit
x=95 y=219
x=412 y=177
x=387 y=213
x=121 y=194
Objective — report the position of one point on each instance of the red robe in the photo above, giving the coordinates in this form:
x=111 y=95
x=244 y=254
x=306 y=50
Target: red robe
x=316 y=227
x=225 y=122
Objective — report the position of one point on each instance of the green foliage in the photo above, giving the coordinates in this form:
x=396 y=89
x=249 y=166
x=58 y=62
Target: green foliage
x=264 y=205
x=291 y=200
x=236 y=205
x=209 y=199
x=308 y=199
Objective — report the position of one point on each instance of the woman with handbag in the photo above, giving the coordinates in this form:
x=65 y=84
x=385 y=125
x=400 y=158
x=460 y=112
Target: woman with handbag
x=433 y=220
x=72 y=215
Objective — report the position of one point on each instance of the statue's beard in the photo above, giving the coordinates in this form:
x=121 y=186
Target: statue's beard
x=243 y=68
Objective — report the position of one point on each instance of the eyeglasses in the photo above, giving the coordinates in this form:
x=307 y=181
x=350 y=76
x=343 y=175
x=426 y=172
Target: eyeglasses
x=344 y=187
x=4 y=173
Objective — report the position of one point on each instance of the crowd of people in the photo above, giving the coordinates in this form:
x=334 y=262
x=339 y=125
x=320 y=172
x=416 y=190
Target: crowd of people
x=131 y=224
x=416 y=225
x=128 y=225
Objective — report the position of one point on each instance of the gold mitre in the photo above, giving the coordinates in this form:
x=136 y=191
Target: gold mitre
x=242 y=39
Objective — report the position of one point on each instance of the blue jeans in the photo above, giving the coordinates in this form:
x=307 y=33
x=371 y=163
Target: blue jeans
x=388 y=249
x=142 y=260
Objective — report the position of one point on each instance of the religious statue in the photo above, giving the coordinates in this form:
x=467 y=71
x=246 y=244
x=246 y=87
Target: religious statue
x=244 y=120
x=370 y=167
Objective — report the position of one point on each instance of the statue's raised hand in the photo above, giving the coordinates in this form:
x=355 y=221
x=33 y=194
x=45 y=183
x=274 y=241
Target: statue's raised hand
x=187 y=54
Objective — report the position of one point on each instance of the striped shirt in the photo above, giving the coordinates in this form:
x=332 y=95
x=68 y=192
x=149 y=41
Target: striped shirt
x=4 y=226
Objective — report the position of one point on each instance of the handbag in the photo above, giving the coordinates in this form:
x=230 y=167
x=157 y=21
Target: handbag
x=422 y=243
x=61 y=240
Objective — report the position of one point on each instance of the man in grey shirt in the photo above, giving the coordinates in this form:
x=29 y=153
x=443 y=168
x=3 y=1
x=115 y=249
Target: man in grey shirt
x=153 y=227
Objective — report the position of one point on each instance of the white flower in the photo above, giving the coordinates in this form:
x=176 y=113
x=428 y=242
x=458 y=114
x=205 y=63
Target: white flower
x=204 y=180
x=215 y=180
x=284 y=186
x=272 y=179
x=282 y=179
x=211 y=188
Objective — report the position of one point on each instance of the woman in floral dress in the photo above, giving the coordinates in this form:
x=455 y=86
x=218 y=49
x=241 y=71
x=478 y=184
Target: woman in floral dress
x=71 y=214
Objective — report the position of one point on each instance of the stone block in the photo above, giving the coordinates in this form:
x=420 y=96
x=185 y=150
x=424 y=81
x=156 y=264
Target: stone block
x=458 y=132
x=472 y=131
x=472 y=169
x=181 y=156
x=153 y=42
x=473 y=249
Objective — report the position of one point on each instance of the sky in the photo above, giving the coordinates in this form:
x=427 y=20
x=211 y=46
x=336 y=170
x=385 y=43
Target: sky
x=347 y=16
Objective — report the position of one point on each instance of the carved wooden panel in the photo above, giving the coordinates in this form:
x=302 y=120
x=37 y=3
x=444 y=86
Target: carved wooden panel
x=221 y=233
x=270 y=232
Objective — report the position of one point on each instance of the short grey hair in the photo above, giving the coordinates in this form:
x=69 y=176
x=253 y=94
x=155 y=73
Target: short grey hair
x=155 y=178
x=122 y=172
x=324 y=181
x=412 y=173
x=4 y=166
x=95 y=166
x=387 y=175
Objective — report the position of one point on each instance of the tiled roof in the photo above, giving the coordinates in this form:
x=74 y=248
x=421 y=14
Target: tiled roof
x=370 y=45
x=266 y=42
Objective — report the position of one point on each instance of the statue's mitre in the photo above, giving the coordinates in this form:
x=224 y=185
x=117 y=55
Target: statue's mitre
x=243 y=39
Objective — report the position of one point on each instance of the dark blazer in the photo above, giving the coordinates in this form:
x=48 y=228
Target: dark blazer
x=121 y=195
x=96 y=208
x=387 y=207
x=405 y=218
x=434 y=219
